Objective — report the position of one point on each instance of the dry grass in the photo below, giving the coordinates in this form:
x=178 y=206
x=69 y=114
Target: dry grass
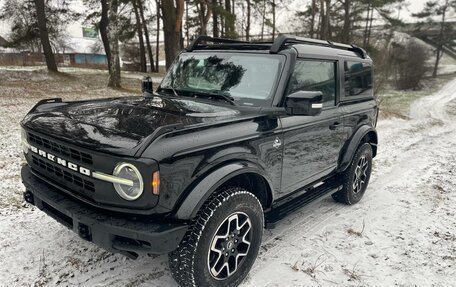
x=351 y=231
x=394 y=103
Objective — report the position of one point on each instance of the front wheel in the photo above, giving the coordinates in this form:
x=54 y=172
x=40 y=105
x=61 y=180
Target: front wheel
x=223 y=242
x=356 y=178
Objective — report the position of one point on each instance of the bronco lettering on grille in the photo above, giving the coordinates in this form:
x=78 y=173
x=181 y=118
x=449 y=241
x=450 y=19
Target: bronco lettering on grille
x=60 y=161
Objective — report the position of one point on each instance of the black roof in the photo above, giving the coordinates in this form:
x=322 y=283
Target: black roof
x=282 y=42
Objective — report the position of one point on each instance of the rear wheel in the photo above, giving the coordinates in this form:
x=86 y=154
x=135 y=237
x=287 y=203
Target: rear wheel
x=356 y=178
x=223 y=242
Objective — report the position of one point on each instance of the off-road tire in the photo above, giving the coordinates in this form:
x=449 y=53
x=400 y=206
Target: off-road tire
x=189 y=262
x=347 y=194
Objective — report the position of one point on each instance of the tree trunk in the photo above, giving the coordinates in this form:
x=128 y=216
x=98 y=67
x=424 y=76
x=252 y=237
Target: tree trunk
x=104 y=31
x=222 y=20
x=113 y=37
x=312 y=19
x=215 y=24
x=273 y=19
x=142 y=50
x=323 y=20
x=172 y=26
x=247 y=25
x=187 y=27
x=204 y=14
x=440 y=41
x=146 y=34
x=367 y=25
x=370 y=26
x=263 y=18
x=345 y=37
x=157 y=45
x=328 y=18
x=44 y=36
x=229 y=20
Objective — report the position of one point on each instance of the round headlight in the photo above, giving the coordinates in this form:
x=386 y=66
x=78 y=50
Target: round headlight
x=130 y=172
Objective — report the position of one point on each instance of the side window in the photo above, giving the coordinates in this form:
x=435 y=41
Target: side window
x=358 y=79
x=315 y=75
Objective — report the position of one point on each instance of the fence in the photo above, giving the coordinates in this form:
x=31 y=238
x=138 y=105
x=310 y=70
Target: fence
x=37 y=59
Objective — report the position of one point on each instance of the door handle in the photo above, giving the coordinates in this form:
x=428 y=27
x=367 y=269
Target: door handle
x=334 y=126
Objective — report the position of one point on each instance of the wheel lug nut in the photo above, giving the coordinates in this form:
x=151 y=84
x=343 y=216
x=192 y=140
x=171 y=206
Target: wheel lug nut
x=226 y=254
x=236 y=241
x=232 y=250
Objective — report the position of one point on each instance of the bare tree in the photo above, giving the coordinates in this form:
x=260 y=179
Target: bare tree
x=215 y=19
x=345 y=34
x=157 y=39
x=204 y=9
x=313 y=10
x=139 y=30
x=273 y=22
x=104 y=30
x=409 y=70
x=113 y=38
x=44 y=36
x=248 y=20
x=229 y=18
x=172 y=12
x=146 y=34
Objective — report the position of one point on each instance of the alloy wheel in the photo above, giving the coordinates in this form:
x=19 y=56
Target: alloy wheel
x=360 y=174
x=230 y=245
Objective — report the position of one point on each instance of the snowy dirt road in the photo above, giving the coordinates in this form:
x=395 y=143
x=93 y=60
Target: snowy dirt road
x=403 y=232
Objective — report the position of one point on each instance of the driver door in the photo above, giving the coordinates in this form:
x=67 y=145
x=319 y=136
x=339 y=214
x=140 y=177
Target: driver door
x=312 y=143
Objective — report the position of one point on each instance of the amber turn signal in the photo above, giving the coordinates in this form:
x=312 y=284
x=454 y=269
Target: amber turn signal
x=156 y=183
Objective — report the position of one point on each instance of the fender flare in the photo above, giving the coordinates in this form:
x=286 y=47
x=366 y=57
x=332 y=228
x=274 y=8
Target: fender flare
x=350 y=150
x=213 y=180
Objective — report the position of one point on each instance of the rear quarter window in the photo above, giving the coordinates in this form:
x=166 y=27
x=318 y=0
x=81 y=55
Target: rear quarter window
x=358 y=79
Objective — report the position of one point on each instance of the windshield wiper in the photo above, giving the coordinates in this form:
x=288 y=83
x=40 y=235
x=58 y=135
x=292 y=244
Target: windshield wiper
x=217 y=95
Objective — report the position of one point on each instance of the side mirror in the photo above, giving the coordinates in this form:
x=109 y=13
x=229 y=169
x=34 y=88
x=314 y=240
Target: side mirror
x=147 y=85
x=304 y=103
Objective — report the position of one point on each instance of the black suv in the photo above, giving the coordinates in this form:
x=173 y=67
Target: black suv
x=236 y=136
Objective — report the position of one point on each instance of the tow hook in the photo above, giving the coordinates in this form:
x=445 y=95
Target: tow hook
x=28 y=197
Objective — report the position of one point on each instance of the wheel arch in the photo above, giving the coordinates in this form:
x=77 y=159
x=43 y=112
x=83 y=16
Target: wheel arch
x=241 y=174
x=364 y=134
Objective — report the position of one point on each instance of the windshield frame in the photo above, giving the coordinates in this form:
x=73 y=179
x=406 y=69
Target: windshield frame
x=242 y=101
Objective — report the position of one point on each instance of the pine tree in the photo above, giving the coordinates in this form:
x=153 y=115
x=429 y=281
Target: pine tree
x=437 y=12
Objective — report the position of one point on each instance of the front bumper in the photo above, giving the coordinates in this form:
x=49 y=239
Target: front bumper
x=113 y=232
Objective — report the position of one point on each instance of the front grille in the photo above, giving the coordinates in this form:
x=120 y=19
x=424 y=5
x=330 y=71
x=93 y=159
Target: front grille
x=55 y=172
x=60 y=149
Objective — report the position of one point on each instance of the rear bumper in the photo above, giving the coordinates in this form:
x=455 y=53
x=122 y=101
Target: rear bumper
x=110 y=231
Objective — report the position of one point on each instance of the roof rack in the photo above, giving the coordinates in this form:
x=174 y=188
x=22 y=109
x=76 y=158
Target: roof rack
x=279 y=43
x=203 y=38
x=284 y=39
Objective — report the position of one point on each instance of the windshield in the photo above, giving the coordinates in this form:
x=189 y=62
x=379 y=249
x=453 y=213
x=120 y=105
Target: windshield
x=246 y=78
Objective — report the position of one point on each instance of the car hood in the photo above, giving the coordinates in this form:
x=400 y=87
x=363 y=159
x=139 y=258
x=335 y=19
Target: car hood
x=122 y=125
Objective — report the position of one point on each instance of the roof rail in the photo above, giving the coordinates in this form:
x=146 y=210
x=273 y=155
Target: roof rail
x=203 y=38
x=284 y=39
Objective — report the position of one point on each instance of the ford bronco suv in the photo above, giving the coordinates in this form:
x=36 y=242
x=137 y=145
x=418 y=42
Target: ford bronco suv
x=236 y=136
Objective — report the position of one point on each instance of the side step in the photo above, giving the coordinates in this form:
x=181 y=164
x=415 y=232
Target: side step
x=295 y=202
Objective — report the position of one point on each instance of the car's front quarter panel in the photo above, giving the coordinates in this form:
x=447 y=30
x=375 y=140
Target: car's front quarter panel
x=186 y=157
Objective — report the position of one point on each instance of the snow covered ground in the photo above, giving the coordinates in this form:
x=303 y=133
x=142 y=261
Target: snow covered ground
x=402 y=233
